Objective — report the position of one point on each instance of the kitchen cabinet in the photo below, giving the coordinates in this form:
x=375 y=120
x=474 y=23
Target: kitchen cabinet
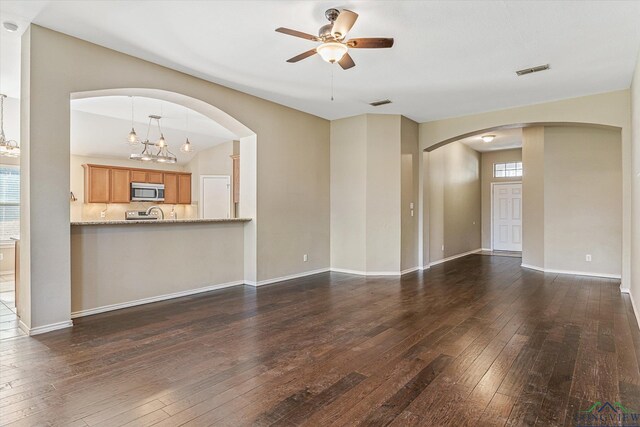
x=236 y=178
x=138 y=176
x=120 y=186
x=154 y=177
x=112 y=184
x=184 y=188
x=171 y=188
x=146 y=176
x=97 y=184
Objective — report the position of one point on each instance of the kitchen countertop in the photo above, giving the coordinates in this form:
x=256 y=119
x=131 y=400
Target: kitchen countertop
x=159 y=221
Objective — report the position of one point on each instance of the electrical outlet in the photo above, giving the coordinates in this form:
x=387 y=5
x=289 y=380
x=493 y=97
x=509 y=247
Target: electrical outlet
x=442 y=248
x=305 y=257
x=103 y=214
x=588 y=258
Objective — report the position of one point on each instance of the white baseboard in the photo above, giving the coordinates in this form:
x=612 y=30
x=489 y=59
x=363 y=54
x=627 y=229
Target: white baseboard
x=283 y=278
x=374 y=273
x=440 y=261
x=487 y=249
x=149 y=300
x=532 y=267
x=43 y=329
x=574 y=273
x=633 y=304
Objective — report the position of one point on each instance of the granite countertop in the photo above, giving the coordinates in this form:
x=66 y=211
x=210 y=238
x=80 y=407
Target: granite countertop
x=159 y=221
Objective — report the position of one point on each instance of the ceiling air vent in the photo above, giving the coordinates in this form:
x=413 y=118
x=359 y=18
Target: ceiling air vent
x=532 y=70
x=379 y=103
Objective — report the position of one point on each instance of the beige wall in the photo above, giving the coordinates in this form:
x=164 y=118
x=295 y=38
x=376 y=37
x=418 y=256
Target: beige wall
x=152 y=260
x=454 y=201
x=81 y=211
x=487 y=159
x=582 y=199
x=634 y=283
x=292 y=164
x=610 y=109
x=410 y=159
x=533 y=197
x=383 y=193
x=348 y=193
x=374 y=173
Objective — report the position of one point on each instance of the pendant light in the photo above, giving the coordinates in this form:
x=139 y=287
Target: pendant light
x=163 y=155
x=187 y=147
x=132 y=139
x=8 y=147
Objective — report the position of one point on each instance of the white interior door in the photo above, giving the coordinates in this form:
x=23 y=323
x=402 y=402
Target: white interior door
x=215 y=196
x=507 y=217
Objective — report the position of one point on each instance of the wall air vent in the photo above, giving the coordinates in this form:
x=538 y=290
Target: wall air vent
x=379 y=103
x=532 y=70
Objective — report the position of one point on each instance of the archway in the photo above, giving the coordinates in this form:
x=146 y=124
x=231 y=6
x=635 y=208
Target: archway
x=616 y=135
x=248 y=196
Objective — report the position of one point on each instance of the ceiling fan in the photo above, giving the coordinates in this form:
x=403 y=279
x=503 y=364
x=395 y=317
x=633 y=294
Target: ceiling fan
x=334 y=48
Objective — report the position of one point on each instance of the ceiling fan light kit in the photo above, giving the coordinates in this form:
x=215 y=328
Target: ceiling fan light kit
x=334 y=48
x=332 y=51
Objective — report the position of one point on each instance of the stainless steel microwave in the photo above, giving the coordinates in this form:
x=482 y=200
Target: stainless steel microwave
x=143 y=192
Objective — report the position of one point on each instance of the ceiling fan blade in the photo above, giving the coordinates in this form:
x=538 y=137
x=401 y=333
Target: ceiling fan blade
x=302 y=56
x=296 y=33
x=343 y=23
x=370 y=43
x=346 y=62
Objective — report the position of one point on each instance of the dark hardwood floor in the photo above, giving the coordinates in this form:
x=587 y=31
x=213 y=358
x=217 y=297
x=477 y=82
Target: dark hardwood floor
x=475 y=341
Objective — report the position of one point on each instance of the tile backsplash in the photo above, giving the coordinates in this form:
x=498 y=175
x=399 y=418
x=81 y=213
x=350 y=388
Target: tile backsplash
x=116 y=211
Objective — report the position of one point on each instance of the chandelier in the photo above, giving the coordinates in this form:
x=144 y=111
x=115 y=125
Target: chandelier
x=8 y=147
x=156 y=152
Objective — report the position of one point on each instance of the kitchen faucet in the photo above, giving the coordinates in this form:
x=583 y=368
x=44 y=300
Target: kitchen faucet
x=158 y=209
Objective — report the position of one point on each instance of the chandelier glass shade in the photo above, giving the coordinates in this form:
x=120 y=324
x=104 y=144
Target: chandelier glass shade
x=8 y=147
x=155 y=152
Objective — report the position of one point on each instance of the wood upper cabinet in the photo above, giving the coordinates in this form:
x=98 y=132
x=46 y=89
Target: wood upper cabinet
x=97 y=181
x=171 y=188
x=146 y=176
x=120 y=186
x=236 y=178
x=184 y=188
x=112 y=184
x=138 y=176
x=154 y=177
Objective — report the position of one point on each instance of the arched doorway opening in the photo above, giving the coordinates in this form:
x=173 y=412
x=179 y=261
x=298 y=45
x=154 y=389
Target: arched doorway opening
x=572 y=197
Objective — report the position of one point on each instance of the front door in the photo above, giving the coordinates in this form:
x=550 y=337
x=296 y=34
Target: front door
x=507 y=217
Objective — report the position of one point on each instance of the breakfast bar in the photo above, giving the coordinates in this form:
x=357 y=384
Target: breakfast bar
x=122 y=263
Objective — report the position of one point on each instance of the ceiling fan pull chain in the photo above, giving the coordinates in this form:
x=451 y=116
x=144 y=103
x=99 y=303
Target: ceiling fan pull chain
x=331 y=82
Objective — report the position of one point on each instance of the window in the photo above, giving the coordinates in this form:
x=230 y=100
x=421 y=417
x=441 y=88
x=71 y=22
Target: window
x=506 y=170
x=9 y=202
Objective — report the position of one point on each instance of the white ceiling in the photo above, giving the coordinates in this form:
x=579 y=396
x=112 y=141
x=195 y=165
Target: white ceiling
x=450 y=58
x=99 y=127
x=505 y=139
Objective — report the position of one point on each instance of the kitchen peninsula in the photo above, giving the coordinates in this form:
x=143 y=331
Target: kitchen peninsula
x=122 y=263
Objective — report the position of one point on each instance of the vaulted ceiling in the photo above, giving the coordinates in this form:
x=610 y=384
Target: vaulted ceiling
x=449 y=59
